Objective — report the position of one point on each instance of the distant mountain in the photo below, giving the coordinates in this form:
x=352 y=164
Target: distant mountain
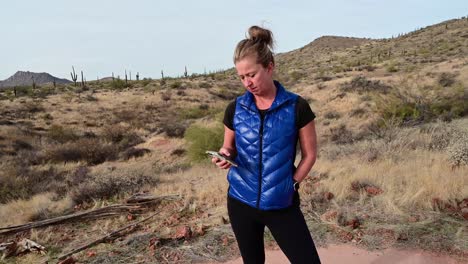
x=26 y=78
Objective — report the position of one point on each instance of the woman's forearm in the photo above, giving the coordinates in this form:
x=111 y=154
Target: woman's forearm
x=304 y=167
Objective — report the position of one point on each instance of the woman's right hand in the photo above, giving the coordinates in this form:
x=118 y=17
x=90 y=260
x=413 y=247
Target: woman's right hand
x=222 y=164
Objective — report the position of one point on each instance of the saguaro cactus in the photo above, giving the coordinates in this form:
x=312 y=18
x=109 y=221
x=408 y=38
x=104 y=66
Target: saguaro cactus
x=82 y=80
x=74 y=76
x=33 y=83
x=162 y=74
x=138 y=76
x=185 y=72
x=126 y=80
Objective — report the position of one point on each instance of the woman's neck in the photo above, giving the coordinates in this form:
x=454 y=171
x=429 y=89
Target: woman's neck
x=265 y=100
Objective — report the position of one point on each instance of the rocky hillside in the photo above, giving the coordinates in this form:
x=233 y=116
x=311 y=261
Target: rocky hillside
x=23 y=78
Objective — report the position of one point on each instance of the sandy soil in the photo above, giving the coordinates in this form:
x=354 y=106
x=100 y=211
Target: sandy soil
x=353 y=255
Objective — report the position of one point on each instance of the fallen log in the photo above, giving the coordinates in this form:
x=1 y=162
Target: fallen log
x=136 y=204
x=112 y=235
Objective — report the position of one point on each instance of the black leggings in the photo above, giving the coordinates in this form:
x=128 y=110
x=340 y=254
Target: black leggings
x=287 y=226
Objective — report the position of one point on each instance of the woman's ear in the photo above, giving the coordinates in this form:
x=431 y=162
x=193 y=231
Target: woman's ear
x=271 y=67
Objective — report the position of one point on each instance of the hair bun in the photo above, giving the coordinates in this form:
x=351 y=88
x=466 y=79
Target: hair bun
x=257 y=33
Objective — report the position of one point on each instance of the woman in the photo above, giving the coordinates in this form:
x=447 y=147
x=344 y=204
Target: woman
x=260 y=133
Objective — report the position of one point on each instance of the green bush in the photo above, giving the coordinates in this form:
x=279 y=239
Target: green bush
x=202 y=139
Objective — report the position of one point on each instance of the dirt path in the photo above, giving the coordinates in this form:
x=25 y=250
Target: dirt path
x=353 y=255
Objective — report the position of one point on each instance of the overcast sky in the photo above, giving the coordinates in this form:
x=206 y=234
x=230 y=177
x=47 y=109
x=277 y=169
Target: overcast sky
x=147 y=36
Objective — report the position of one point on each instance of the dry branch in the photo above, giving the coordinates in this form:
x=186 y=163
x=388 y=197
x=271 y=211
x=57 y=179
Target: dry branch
x=113 y=234
x=134 y=203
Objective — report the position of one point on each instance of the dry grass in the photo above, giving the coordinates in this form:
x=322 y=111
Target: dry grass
x=408 y=184
x=23 y=211
x=203 y=185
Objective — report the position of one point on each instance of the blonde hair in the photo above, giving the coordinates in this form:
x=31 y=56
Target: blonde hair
x=258 y=44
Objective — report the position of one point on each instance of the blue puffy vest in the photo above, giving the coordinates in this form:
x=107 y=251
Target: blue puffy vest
x=266 y=152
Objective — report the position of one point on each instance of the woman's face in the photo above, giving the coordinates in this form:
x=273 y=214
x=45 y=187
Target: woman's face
x=256 y=79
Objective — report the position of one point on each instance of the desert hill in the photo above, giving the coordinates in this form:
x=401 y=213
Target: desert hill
x=26 y=78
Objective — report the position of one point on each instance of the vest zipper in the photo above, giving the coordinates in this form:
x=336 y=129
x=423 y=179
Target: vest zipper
x=260 y=162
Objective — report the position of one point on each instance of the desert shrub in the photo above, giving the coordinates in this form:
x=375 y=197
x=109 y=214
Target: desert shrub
x=118 y=84
x=202 y=139
x=178 y=152
x=129 y=116
x=332 y=115
x=205 y=85
x=413 y=109
x=458 y=150
x=446 y=79
x=441 y=135
x=145 y=81
x=181 y=93
x=19 y=144
x=341 y=135
x=392 y=68
x=77 y=176
x=176 y=85
x=362 y=84
x=61 y=134
x=193 y=113
x=357 y=112
x=108 y=185
x=121 y=135
x=19 y=181
x=134 y=153
x=90 y=98
x=334 y=152
x=174 y=129
x=90 y=150
x=296 y=75
x=225 y=94
x=386 y=129
x=369 y=68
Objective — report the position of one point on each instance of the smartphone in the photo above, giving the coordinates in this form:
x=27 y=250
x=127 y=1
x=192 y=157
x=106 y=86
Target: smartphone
x=220 y=156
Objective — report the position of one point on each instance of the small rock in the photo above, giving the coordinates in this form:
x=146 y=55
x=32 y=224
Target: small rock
x=91 y=254
x=413 y=219
x=328 y=195
x=183 y=232
x=354 y=223
x=329 y=215
x=225 y=241
x=373 y=191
